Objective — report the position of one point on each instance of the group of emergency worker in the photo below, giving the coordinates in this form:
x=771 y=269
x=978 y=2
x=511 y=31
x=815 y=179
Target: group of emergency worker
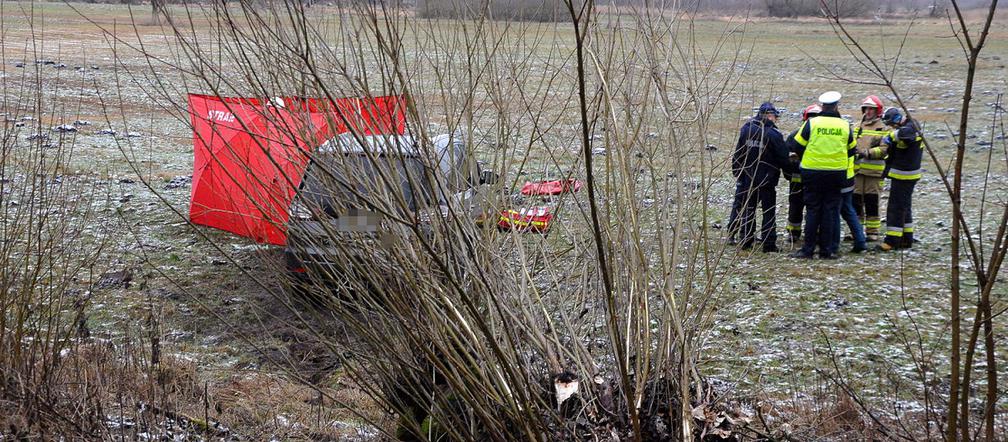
x=836 y=171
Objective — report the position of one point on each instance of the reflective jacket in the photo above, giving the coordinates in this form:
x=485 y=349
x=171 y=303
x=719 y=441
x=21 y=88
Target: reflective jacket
x=869 y=135
x=905 y=149
x=760 y=152
x=827 y=143
x=849 y=183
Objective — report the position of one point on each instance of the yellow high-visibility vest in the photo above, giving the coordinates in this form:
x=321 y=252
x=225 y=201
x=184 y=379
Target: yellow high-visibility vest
x=828 y=143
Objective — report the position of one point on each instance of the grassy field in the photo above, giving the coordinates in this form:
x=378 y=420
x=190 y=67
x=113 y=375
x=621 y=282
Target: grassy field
x=774 y=317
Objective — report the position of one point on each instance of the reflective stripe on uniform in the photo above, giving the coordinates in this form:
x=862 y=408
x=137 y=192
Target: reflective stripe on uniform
x=872 y=164
x=796 y=178
x=908 y=228
x=898 y=174
x=873 y=224
x=877 y=133
x=798 y=136
x=901 y=144
x=847 y=189
x=894 y=231
x=794 y=227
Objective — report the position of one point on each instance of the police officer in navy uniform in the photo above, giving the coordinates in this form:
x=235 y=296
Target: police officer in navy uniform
x=826 y=144
x=903 y=152
x=756 y=163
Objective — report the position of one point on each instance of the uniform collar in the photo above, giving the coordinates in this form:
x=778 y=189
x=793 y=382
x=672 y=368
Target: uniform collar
x=763 y=122
x=907 y=122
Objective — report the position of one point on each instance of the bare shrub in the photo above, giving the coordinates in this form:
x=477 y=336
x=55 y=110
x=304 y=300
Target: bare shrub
x=458 y=330
x=53 y=249
x=61 y=256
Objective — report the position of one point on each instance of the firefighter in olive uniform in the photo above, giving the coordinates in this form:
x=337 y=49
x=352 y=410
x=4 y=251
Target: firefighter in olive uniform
x=868 y=178
x=826 y=145
x=903 y=145
x=796 y=206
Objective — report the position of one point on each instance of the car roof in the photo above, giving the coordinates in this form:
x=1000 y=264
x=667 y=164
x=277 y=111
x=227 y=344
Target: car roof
x=376 y=144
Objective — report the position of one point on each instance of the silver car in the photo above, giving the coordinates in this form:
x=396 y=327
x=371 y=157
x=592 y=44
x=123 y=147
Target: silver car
x=360 y=191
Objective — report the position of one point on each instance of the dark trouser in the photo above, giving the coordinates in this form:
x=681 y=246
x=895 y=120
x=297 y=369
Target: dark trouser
x=796 y=205
x=849 y=216
x=736 y=207
x=766 y=195
x=747 y=196
x=867 y=208
x=899 y=215
x=822 y=205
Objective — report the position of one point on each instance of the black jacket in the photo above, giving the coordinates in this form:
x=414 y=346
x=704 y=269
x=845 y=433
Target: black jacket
x=905 y=148
x=760 y=152
x=791 y=167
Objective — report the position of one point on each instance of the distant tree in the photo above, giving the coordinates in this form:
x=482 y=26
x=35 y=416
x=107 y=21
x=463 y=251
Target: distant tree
x=812 y=8
x=516 y=10
x=158 y=7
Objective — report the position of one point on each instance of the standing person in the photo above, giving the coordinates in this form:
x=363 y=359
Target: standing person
x=796 y=206
x=903 y=167
x=849 y=215
x=868 y=181
x=826 y=144
x=759 y=154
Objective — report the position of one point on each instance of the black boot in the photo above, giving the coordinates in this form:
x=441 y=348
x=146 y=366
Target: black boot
x=800 y=254
x=908 y=240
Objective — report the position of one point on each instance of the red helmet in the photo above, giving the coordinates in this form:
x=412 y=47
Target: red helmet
x=811 y=111
x=872 y=101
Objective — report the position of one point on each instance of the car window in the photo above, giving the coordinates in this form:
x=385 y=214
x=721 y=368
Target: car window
x=339 y=182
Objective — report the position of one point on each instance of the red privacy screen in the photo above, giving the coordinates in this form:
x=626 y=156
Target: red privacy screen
x=250 y=154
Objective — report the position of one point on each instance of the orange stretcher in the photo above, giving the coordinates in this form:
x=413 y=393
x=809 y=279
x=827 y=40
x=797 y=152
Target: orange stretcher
x=531 y=220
